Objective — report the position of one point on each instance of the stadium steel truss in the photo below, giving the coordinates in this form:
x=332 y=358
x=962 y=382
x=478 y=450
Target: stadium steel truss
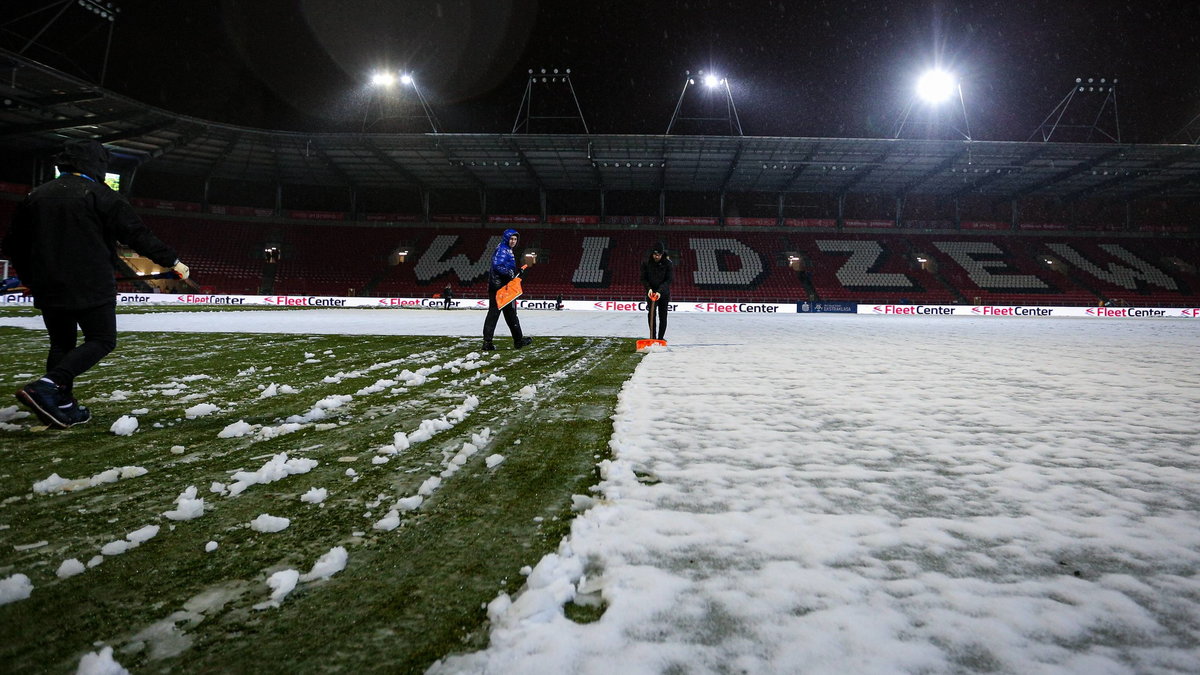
x=41 y=107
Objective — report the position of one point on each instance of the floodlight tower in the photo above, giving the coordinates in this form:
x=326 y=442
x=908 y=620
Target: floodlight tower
x=934 y=88
x=711 y=82
x=550 y=79
x=385 y=81
x=104 y=11
x=1190 y=131
x=1107 y=87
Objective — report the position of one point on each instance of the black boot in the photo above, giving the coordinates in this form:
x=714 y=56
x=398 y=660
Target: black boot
x=522 y=342
x=488 y=346
x=44 y=399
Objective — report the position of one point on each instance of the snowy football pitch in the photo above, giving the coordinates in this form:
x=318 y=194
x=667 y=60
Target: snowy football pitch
x=775 y=493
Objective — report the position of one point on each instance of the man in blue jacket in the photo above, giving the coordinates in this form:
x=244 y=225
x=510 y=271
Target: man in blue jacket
x=503 y=270
x=63 y=242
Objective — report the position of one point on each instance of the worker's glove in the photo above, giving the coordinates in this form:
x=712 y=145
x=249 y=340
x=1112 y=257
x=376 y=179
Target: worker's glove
x=181 y=269
x=654 y=296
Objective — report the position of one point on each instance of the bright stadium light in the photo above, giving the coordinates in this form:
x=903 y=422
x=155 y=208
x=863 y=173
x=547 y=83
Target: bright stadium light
x=383 y=79
x=406 y=79
x=711 y=82
x=936 y=86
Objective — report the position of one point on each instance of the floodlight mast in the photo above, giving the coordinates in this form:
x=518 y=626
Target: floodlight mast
x=104 y=10
x=712 y=82
x=934 y=87
x=1105 y=86
x=387 y=80
x=525 y=114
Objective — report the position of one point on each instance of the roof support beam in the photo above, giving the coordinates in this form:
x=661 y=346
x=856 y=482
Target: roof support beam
x=391 y=162
x=989 y=177
x=332 y=166
x=875 y=163
x=1064 y=175
x=61 y=125
x=1134 y=174
x=935 y=171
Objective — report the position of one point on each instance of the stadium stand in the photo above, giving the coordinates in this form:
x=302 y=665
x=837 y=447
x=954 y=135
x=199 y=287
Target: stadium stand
x=742 y=265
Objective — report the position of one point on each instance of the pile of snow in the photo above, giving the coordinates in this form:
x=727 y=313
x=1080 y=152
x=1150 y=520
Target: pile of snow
x=131 y=541
x=318 y=411
x=328 y=565
x=69 y=568
x=189 y=506
x=281 y=583
x=56 y=483
x=100 y=663
x=314 y=495
x=268 y=523
x=14 y=588
x=236 y=430
x=200 y=410
x=278 y=468
x=527 y=393
x=124 y=426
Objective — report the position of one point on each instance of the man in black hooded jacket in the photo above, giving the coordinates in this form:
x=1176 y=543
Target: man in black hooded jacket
x=657 y=274
x=63 y=242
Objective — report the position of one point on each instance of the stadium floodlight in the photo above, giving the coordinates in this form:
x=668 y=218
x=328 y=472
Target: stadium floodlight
x=936 y=86
x=387 y=79
x=712 y=82
x=383 y=79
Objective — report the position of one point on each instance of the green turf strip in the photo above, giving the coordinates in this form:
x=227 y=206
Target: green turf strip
x=407 y=596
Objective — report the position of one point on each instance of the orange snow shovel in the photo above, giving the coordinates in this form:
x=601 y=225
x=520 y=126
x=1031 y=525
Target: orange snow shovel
x=652 y=342
x=510 y=291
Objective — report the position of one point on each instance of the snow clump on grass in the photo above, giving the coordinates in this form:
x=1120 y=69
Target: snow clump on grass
x=268 y=523
x=200 y=410
x=124 y=426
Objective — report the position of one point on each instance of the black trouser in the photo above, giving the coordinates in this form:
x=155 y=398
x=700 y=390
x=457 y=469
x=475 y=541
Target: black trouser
x=67 y=361
x=493 y=315
x=660 y=307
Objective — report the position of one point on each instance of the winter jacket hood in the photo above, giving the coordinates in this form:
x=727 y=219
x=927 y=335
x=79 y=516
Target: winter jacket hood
x=504 y=263
x=89 y=158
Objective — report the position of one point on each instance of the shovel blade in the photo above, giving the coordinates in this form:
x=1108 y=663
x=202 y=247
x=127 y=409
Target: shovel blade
x=644 y=344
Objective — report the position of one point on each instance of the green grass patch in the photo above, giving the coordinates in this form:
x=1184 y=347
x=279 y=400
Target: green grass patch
x=407 y=596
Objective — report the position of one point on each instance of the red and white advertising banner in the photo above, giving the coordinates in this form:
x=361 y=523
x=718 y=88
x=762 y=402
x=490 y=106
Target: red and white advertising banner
x=758 y=222
x=573 y=220
x=1018 y=311
x=692 y=220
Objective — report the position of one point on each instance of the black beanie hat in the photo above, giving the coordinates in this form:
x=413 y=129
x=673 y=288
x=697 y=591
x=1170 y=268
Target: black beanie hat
x=89 y=158
x=659 y=247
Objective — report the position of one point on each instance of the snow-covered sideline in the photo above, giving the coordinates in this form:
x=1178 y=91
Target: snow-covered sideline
x=835 y=494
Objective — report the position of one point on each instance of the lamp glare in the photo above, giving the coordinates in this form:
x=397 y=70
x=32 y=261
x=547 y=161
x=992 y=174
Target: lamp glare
x=383 y=79
x=936 y=86
x=711 y=81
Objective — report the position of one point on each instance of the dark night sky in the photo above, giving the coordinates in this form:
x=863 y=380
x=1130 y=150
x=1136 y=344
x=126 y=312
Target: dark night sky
x=819 y=68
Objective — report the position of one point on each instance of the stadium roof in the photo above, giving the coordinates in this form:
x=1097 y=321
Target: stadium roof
x=43 y=107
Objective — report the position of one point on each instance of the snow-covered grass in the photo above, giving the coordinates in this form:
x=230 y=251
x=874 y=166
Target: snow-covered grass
x=785 y=494
x=358 y=497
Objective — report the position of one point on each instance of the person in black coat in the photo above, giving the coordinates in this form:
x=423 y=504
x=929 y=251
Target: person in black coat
x=63 y=242
x=657 y=274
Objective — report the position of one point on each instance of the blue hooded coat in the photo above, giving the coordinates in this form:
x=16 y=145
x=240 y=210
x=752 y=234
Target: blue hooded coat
x=504 y=263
